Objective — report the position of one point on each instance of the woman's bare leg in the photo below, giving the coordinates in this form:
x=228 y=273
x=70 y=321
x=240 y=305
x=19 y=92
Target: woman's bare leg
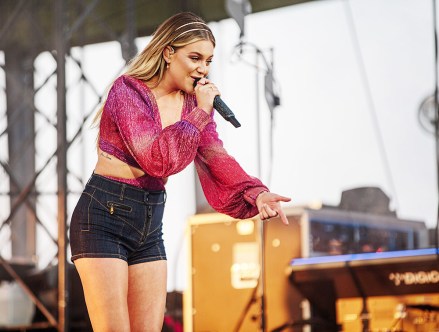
x=147 y=296
x=105 y=284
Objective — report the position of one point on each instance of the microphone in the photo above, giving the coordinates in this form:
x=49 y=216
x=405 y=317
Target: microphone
x=223 y=109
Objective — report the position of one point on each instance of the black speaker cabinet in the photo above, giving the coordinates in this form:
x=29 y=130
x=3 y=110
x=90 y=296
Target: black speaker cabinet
x=225 y=259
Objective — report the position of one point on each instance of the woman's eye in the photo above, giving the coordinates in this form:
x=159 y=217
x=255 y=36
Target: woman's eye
x=196 y=59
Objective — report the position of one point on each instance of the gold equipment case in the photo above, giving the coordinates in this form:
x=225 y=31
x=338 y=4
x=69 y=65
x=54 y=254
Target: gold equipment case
x=224 y=264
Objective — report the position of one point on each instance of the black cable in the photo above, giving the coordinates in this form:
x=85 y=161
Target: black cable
x=369 y=98
x=436 y=117
x=250 y=302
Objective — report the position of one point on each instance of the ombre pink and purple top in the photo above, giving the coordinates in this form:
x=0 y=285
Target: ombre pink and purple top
x=131 y=130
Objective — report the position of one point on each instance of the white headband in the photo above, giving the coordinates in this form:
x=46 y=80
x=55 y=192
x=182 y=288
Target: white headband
x=181 y=26
x=195 y=22
x=187 y=32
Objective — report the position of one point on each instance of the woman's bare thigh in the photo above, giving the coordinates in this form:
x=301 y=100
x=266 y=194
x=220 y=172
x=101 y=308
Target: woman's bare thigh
x=147 y=295
x=105 y=284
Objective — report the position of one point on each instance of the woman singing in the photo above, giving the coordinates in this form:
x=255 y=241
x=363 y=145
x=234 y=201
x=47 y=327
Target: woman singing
x=158 y=118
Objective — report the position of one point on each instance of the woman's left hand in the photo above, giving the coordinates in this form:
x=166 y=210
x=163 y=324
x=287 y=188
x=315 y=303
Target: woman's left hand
x=269 y=206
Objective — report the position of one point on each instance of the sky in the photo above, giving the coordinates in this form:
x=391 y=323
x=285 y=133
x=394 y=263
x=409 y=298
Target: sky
x=351 y=76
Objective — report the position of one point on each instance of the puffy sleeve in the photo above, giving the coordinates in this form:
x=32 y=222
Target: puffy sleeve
x=227 y=187
x=160 y=153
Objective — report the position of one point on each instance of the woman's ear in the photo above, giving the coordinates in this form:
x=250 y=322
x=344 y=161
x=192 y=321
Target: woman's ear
x=167 y=52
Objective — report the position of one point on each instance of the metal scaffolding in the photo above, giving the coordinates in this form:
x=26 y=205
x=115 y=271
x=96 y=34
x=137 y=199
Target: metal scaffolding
x=24 y=124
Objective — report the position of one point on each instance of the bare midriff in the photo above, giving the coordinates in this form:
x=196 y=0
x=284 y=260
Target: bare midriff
x=109 y=165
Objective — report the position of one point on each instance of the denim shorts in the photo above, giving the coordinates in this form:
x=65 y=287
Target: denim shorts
x=114 y=219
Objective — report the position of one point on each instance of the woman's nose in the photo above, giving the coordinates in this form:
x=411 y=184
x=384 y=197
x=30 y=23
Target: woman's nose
x=203 y=69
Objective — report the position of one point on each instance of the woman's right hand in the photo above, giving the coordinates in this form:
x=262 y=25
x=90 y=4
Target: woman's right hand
x=205 y=92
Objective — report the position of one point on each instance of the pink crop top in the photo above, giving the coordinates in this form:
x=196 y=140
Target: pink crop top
x=131 y=130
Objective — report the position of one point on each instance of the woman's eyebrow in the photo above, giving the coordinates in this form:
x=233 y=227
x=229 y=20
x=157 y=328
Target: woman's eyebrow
x=200 y=54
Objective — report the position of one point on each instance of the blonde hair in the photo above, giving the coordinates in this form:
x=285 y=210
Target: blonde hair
x=177 y=31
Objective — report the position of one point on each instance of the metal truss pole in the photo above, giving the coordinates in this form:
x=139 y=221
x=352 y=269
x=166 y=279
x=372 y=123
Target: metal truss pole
x=60 y=45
